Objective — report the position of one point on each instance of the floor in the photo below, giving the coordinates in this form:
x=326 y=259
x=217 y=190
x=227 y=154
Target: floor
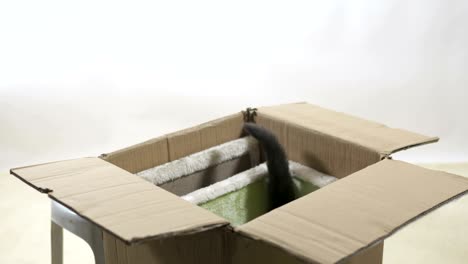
x=440 y=237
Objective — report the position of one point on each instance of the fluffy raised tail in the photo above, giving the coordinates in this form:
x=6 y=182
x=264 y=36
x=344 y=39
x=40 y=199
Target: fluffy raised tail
x=280 y=186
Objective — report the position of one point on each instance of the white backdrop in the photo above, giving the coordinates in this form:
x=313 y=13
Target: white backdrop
x=87 y=77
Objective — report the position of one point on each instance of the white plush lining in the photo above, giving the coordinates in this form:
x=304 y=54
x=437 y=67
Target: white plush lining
x=308 y=174
x=221 y=153
x=202 y=160
x=247 y=177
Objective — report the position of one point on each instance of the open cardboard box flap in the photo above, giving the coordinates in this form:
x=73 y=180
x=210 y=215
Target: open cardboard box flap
x=328 y=225
x=127 y=206
x=356 y=212
x=374 y=136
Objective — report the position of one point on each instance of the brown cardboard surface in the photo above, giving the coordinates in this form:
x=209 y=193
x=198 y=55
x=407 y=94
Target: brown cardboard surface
x=368 y=134
x=204 y=136
x=317 y=150
x=121 y=203
x=140 y=157
x=346 y=217
x=247 y=250
x=170 y=147
x=206 y=247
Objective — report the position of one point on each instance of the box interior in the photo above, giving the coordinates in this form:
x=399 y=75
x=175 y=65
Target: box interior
x=237 y=178
x=308 y=147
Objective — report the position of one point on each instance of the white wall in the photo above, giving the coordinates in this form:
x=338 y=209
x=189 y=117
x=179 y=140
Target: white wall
x=82 y=78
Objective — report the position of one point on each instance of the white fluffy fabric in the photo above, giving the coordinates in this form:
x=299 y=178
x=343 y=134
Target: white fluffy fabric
x=228 y=185
x=202 y=160
x=308 y=174
x=221 y=153
x=247 y=177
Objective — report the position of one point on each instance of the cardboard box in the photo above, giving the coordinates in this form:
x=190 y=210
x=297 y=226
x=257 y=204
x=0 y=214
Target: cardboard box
x=344 y=222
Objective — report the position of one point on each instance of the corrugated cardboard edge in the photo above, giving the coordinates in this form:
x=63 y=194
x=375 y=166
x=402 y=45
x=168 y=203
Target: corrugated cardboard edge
x=172 y=146
x=135 y=240
x=384 y=153
x=177 y=133
x=405 y=147
x=378 y=240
